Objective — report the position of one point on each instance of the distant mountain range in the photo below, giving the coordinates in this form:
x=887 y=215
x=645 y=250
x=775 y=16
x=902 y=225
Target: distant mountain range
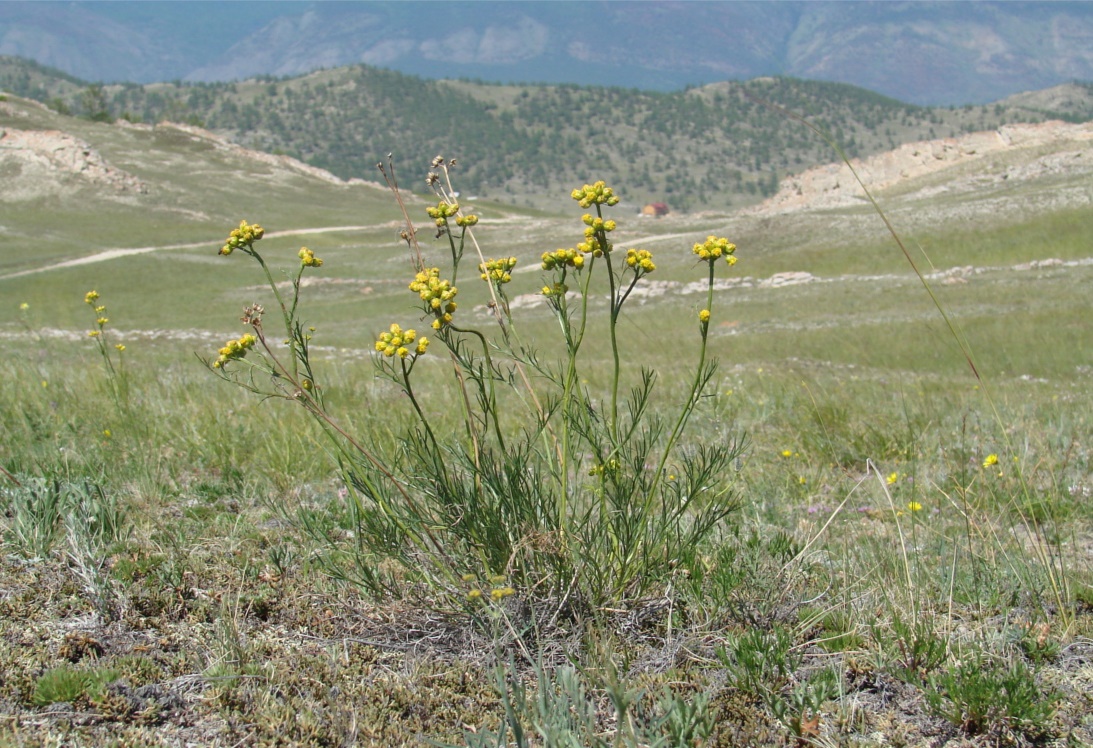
x=936 y=53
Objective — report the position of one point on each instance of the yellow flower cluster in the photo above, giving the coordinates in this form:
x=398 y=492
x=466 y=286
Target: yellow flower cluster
x=396 y=342
x=499 y=592
x=597 y=224
x=466 y=221
x=561 y=258
x=704 y=316
x=715 y=247
x=308 y=258
x=443 y=211
x=641 y=260
x=437 y=295
x=595 y=194
x=234 y=350
x=244 y=236
x=497 y=271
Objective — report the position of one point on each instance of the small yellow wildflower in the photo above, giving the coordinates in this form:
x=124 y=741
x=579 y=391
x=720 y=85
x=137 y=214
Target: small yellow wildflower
x=641 y=260
x=704 y=316
x=914 y=506
x=992 y=459
x=501 y=593
x=120 y=348
x=598 y=194
x=497 y=271
x=395 y=340
x=442 y=212
x=474 y=594
x=787 y=453
x=91 y=297
x=561 y=258
x=93 y=333
x=244 y=236
x=308 y=258
x=436 y=294
x=234 y=350
x=24 y=306
x=715 y=247
x=892 y=478
x=106 y=433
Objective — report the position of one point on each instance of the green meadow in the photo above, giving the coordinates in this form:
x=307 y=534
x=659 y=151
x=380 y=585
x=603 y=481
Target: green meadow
x=868 y=524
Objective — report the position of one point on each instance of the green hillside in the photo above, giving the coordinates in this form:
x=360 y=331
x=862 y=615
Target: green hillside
x=722 y=145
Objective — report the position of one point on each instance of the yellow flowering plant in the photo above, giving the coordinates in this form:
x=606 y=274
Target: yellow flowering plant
x=111 y=353
x=576 y=495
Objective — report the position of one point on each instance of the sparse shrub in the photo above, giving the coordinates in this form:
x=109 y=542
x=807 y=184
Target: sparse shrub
x=38 y=509
x=588 y=493
x=915 y=647
x=562 y=710
x=68 y=684
x=981 y=696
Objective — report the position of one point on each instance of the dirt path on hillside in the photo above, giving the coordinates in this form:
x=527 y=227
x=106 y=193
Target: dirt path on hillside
x=114 y=254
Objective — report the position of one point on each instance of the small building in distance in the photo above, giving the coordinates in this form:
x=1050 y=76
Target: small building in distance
x=655 y=210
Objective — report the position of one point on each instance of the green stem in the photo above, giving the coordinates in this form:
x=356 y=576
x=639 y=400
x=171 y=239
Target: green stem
x=285 y=313
x=573 y=345
x=692 y=398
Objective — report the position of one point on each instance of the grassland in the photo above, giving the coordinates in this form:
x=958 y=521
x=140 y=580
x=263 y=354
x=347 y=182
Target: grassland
x=175 y=553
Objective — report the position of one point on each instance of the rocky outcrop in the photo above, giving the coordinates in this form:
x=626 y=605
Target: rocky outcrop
x=39 y=162
x=833 y=185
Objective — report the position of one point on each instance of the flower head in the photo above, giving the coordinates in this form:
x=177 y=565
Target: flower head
x=497 y=271
x=562 y=258
x=640 y=261
x=436 y=294
x=234 y=350
x=397 y=342
x=308 y=258
x=595 y=194
x=715 y=247
x=992 y=460
x=91 y=297
x=245 y=236
x=442 y=212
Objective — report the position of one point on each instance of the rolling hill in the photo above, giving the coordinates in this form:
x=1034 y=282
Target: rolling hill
x=721 y=145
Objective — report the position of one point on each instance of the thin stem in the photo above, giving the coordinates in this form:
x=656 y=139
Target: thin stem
x=692 y=397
